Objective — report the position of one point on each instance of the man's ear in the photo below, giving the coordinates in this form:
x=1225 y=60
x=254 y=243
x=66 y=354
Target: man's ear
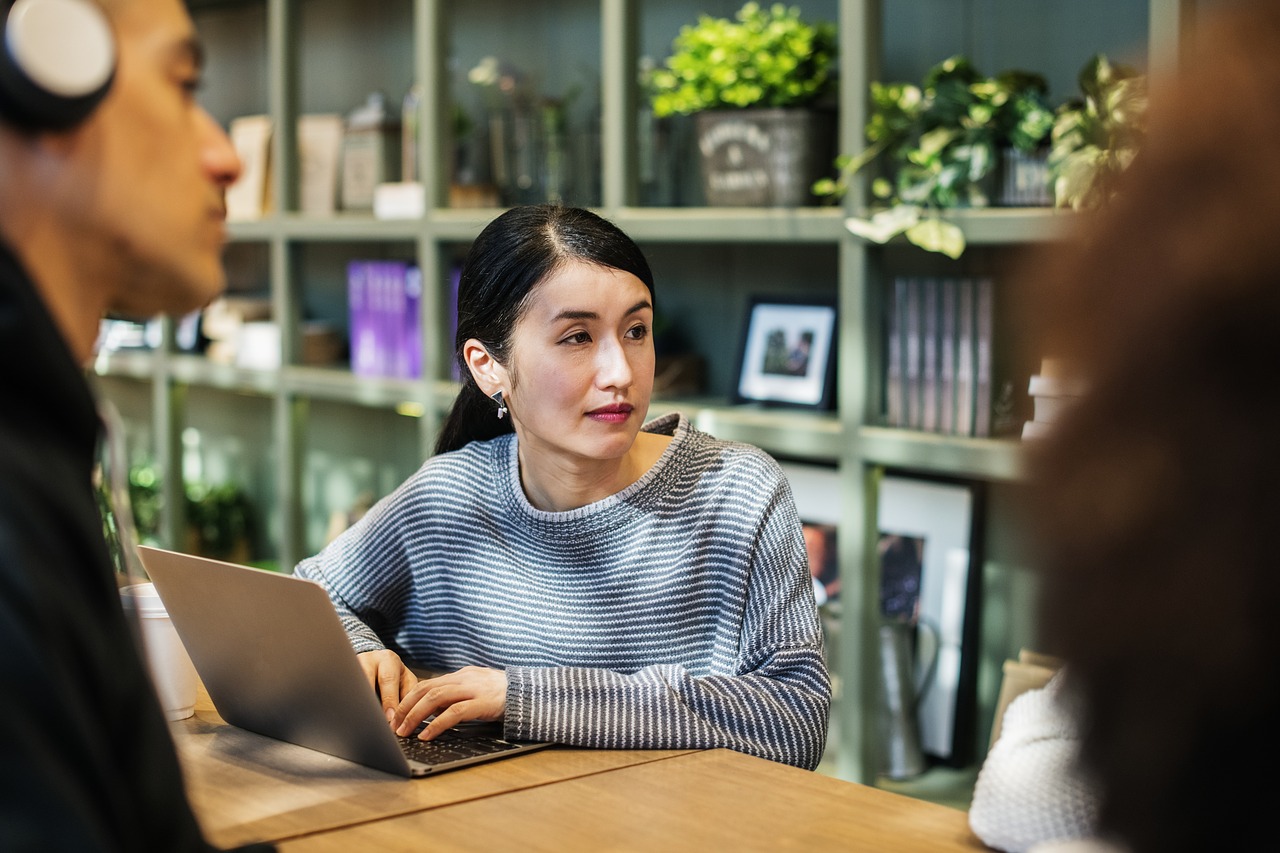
x=489 y=375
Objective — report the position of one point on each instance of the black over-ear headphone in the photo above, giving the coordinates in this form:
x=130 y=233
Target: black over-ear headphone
x=57 y=61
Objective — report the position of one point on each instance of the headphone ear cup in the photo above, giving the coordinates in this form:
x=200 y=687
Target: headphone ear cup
x=57 y=61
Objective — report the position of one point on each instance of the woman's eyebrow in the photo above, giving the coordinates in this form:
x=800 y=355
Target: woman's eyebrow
x=579 y=314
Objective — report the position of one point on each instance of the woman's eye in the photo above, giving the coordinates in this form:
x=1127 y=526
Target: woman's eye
x=638 y=332
x=577 y=338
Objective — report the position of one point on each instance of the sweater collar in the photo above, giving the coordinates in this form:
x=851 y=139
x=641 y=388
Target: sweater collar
x=607 y=510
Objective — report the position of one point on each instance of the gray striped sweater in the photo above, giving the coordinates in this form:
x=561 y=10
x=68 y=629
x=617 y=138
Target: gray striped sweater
x=678 y=613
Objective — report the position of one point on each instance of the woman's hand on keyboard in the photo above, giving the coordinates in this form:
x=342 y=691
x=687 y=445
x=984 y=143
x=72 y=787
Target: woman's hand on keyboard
x=390 y=678
x=471 y=693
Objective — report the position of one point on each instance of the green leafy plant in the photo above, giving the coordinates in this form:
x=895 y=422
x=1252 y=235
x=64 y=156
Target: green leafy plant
x=938 y=145
x=765 y=57
x=1096 y=136
x=221 y=520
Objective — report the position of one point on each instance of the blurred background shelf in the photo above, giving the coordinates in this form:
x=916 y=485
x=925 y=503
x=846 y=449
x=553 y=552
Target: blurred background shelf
x=309 y=442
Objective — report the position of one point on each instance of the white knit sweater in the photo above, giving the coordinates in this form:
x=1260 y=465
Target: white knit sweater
x=1029 y=790
x=676 y=613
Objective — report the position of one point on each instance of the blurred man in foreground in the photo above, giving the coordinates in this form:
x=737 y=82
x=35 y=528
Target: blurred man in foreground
x=111 y=200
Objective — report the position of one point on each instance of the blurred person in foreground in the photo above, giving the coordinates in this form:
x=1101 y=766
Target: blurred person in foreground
x=111 y=200
x=1156 y=497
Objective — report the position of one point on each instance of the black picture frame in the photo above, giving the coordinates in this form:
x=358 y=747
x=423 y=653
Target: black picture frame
x=940 y=519
x=787 y=352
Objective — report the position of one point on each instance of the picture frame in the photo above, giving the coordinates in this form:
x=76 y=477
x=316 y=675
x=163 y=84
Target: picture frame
x=817 y=492
x=824 y=561
x=929 y=563
x=818 y=489
x=787 y=353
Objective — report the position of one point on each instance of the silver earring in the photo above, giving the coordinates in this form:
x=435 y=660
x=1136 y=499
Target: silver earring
x=496 y=396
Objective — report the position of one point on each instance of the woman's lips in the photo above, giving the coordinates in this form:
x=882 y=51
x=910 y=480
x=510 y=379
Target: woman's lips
x=615 y=414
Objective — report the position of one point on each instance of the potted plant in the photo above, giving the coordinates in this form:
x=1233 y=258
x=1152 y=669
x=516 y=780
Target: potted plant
x=1096 y=136
x=939 y=145
x=221 y=521
x=756 y=86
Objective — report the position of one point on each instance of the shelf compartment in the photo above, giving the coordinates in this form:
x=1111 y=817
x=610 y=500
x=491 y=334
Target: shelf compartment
x=975 y=458
x=793 y=435
x=341 y=227
x=732 y=224
x=131 y=364
x=1005 y=226
x=199 y=371
x=343 y=386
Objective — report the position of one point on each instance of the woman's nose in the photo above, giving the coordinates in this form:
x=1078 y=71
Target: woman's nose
x=613 y=366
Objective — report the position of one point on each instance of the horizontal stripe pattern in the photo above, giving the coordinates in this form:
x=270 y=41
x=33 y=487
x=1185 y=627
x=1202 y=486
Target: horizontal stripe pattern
x=678 y=613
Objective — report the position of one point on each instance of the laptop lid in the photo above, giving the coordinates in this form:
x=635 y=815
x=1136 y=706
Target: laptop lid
x=275 y=660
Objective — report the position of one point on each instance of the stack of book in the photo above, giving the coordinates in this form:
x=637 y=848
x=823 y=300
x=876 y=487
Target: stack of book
x=1051 y=394
x=938 y=375
x=384 y=299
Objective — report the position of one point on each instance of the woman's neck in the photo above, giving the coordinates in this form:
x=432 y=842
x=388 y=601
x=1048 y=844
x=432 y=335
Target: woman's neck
x=556 y=484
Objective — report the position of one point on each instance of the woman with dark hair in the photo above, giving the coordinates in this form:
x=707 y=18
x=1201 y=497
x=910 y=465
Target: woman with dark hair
x=1154 y=495
x=585 y=577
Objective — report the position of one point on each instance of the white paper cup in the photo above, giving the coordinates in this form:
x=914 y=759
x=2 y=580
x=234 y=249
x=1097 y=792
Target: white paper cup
x=171 y=669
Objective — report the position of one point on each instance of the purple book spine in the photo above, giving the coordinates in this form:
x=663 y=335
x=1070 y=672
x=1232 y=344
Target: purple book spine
x=411 y=322
x=363 y=339
x=393 y=318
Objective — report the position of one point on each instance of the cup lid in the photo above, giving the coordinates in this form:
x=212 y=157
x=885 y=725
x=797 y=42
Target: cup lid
x=143 y=598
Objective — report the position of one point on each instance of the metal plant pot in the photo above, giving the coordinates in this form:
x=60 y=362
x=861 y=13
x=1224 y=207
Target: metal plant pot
x=763 y=157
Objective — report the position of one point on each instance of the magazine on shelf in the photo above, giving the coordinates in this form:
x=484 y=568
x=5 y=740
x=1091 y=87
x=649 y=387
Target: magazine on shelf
x=984 y=322
x=947 y=359
x=894 y=346
x=941 y=355
x=912 y=371
x=929 y=353
x=384 y=299
x=965 y=371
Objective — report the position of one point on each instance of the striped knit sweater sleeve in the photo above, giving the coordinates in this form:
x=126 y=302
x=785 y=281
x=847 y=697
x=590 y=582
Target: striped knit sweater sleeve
x=678 y=613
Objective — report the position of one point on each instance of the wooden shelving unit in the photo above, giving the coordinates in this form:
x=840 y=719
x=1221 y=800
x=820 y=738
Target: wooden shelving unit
x=287 y=57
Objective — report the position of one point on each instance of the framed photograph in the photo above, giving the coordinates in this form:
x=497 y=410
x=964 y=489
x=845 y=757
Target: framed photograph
x=788 y=353
x=824 y=564
x=928 y=542
x=817 y=491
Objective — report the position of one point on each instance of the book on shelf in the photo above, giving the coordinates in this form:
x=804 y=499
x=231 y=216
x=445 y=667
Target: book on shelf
x=947 y=360
x=929 y=346
x=319 y=155
x=895 y=305
x=964 y=383
x=911 y=375
x=1052 y=393
x=984 y=322
x=384 y=300
x=249 y=197
x=940 y=365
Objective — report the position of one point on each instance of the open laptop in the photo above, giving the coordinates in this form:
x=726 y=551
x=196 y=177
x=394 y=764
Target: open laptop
x=275 y=659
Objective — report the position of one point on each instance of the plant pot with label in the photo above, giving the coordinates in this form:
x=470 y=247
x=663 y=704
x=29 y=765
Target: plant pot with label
x=763 y=157
x=757 y=87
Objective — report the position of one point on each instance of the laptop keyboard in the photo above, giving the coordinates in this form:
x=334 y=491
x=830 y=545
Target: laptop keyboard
x=451 y=746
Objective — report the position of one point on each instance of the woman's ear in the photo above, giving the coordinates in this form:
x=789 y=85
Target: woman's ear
x=490 y=376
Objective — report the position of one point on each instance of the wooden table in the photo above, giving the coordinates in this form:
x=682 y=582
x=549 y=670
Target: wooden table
x=245 y=787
